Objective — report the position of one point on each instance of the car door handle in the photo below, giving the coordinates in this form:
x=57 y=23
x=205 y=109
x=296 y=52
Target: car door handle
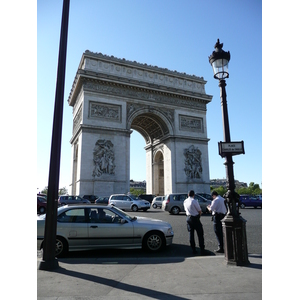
x=94 y=226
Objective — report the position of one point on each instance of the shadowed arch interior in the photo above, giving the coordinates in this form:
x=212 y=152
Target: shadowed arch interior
x=150 y=126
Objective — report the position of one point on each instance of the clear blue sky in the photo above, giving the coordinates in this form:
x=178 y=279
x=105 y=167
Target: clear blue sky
x=174 y=34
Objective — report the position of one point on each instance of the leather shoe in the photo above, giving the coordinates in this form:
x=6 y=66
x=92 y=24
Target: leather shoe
x=219 y=250
x=195 y=251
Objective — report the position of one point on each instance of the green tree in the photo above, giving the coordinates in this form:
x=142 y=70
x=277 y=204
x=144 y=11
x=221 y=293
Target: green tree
x=61 y=191
x=136 y=192
x=221 y=190
x=45 y=190
x=252 y=189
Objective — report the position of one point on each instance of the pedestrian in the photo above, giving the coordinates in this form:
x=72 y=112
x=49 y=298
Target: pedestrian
x=218 y=210
x=193 y=212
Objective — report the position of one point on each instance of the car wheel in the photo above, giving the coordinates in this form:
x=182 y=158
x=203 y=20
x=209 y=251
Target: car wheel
x=134 y=208
x=154 y=205
x=42 y=210
x=175 y=210
x=61 y=247
x=153 y=241
x=242 y=205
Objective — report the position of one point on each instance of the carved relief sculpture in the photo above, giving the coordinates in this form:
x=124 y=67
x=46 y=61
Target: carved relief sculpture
x=103 y=157
x=193 y=164
x=190 y=123
x=100 y=110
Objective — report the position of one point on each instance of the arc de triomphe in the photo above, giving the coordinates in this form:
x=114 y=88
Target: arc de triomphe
x=112 y=96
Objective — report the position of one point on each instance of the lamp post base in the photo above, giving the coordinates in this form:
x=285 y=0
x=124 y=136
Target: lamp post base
x=48 y=265
x=235 y=240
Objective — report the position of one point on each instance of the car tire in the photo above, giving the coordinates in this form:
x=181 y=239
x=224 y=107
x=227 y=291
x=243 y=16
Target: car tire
x=175 y=210
x=42 y=210
x=61 y=247
x=154 y=205
x=153 y=241
x=242 y=205
x=134 y=208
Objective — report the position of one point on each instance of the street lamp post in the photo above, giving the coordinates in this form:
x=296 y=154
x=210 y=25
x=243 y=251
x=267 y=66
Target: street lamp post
x=234 y=226
x=49 y=261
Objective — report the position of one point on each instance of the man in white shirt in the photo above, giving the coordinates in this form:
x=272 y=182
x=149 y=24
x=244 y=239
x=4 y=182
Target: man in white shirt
x=193 y=212
x=219 y=211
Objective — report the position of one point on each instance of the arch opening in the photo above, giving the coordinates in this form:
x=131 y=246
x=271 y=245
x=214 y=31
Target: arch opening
x=152 y=128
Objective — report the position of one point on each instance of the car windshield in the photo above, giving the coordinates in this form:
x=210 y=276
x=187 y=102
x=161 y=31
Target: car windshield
x=42 y=199
x=133 y=197
x=123 y=214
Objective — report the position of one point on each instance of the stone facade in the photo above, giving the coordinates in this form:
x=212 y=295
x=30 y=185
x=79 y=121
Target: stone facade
x=112 y=96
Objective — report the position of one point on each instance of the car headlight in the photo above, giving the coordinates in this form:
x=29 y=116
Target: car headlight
x=170 y=231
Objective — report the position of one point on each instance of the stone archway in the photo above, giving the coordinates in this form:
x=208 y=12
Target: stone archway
x=112 y=96
x=158 y=174
x=155 y=127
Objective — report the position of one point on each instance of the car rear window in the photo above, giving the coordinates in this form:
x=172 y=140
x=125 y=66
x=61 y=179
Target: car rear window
x=180 y=197
x=72 y=216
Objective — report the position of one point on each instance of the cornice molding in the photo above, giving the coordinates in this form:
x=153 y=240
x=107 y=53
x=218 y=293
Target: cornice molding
x=139 y=93
x=101 y=67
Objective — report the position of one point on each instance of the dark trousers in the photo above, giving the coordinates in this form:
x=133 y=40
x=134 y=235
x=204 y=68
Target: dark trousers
x=218 y=229
x=193 y=223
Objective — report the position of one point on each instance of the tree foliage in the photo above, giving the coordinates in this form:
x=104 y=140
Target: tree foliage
x=252 y=189
x=136 y=192
x=61 y=191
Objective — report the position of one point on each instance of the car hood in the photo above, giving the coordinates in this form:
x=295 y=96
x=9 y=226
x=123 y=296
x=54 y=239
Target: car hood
x=149 y=221
x=41 y=217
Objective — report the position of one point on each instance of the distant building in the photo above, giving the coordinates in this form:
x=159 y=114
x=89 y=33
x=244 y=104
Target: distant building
x=213 y=182
x=222 y=182
x=139 y=185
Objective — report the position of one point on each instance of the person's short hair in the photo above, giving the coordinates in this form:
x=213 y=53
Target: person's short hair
x=214 y=193
x=191 y=193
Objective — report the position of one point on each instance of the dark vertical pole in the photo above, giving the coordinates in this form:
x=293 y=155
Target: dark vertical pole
x=228 y=159
x=49 y=261
x=234 y=226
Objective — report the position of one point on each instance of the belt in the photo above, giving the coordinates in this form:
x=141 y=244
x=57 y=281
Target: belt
x=219 y=214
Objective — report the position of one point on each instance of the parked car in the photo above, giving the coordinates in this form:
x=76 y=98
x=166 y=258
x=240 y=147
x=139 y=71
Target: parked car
x=102 y=200
x=248 y=200
x=173 y=203
x=204 y=202
x=84 y=227
x=41 y=205
x=129 y=202
x=91 y=198
x=206 y=196
x=67 y=199
x=147 y=197
x=157 y=201
x=42 y=195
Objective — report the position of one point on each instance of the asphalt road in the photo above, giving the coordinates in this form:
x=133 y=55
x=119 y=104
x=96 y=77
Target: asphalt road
x=180 y=246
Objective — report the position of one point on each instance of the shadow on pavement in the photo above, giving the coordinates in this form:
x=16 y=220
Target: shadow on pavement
x=177 y=252
x=119 y=285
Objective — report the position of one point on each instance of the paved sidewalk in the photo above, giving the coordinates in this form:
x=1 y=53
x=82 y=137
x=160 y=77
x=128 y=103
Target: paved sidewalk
x=179 y=278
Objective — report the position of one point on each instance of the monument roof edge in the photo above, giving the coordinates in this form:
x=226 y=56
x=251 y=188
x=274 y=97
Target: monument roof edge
x=141 y=65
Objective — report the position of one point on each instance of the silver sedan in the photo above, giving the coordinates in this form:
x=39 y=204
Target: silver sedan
x=84 y=227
